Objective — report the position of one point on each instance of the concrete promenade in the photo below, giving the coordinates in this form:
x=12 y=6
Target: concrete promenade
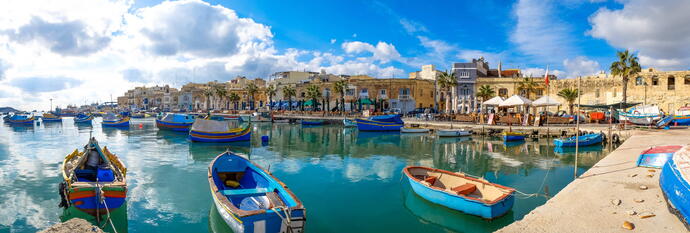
x=589 y=204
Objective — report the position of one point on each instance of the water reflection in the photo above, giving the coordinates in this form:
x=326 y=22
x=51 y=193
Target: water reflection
x=117 y=218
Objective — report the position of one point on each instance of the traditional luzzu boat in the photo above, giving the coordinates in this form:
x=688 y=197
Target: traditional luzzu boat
x=349 y=123
x=453 y=133
x=460 y=192
x=656 y=157
x=380 y=123
x=175 y=122
x=49 y=117
x=645 y=115
x=250 y=199
x=675 y=184
x=682 y=116
x=584 y=140
x=218 y=131
x=94 y=180
x=20 y=119
x=82 y=118
x=413 y=130
x=312 y=122
x=113 y=120
x=513 y=136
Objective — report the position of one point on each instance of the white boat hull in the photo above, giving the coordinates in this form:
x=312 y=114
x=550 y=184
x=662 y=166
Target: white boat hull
x=414 y=130
x=281 y=121
x=452 y=133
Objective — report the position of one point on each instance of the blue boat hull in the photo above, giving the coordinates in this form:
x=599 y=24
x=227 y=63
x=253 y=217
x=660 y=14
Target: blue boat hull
x=461 y=204
x=174 y=126
x=47 y=119
x=116 y=124
x=369 y=125
x=584 y=140
x=681 y=120
x=676 y=191
x=305 y=122
x=86 y=120
x=513 y=138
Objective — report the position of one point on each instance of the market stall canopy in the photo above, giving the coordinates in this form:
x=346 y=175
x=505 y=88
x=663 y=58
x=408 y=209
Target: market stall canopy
x=515 y=100
x=545 y=101
x=311 y=102
x=608 y=106
x=494 y=101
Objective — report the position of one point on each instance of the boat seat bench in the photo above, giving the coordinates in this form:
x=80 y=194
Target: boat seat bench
x=243 y=191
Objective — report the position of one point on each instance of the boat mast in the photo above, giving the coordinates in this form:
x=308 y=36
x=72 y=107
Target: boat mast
x=577 y=125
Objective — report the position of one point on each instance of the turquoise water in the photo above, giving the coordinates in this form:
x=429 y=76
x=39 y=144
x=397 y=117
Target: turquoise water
x=349 y=181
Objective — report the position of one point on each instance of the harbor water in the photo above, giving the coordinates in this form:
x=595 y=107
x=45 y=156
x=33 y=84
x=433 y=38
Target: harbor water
x=349 y=181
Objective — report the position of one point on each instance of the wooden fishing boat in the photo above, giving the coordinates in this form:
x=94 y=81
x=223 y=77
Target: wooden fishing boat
x=413 y=130
x=226 y=117
x=138 y=115
x=349 y=123
x=656 y=157
x=584 y=140
x=460 y=192
x=312 y=122
x=675 y=184
x=682 y=116
x=175 y=122
x=644 y=115
x=380 y=123
x=113 y=120
x=513 y=136
x=82 y=118
x=664 y=122
x=218 y=131
x=49 y=117
x=250 y=199
x=19 y=119
x=94 y=180
x=453 y=133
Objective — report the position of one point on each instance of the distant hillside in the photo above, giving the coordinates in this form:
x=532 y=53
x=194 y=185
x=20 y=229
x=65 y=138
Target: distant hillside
x=8 y=109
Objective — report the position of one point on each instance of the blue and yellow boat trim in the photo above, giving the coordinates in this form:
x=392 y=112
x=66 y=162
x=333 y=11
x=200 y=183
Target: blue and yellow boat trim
x=174 y=126
x=234 y=135
x=124 y=122
x=513 y=136
x=372 y=125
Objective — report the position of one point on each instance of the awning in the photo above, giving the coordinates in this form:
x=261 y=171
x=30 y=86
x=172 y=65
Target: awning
x=608 y=106
x=493 y=101
x=515 y=100
x=311 y=102
x=366 y=101
x=545 y=101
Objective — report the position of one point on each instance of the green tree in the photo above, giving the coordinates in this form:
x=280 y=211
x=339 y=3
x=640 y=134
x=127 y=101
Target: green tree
x=626 y=67
x=313 y=93
x=221 y=93
x=569 y=95
x=208 y=92
x=340 y=87
x=270 y=91
x=289 y=92
x=251 y=89
x=485 y=92
x=528 y=85
x=446 y=82
x=234 y=98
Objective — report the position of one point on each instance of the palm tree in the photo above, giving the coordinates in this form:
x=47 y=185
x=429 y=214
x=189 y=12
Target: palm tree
x=270 y=91
x=289 y=92
x=234 y=98
x=221 y=92
x=626 y=66
x=208 y=93
x=313 y=93
x=569 y=95
x=485 y=92
x=528 y=85
x=340 y=87
x=447 y=81
x=251 y=89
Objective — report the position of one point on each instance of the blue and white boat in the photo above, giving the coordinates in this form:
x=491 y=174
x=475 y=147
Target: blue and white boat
x=250 y=199
x=657 y=156
x=584 y=140
x=312 y=122
x=664 y=122
x=349 y=123
x=461 y=192
x=675 y=184
x=645 y=115
x=513 y=136
x=175 y=122
x=218 y=131
x=82 y=118
x=380 y=123
x=682 y=116
x=49 y=117
x=113 y=120
x=21 y=119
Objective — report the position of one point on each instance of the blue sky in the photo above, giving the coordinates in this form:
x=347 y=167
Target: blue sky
x=91 y=49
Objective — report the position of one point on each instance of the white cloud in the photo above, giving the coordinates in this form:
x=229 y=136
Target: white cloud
x=412 y=26
x=657 y=29
x=581 y=66
x=333 y=41
x=539 y=34
x=539 y=72
x=383 y=51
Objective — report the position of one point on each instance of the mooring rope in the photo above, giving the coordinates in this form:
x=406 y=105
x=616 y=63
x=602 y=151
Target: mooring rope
x=286 y=220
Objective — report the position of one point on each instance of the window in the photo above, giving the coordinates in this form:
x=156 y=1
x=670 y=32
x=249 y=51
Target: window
x=365 y=91
x=655 y=81
x=687 y=79
x=350 y=92
x=639 y=81
x=596 y=93
x=382 y=91
x=503 y=92
x=671 y=83
x=464 y=74
x=540 y=92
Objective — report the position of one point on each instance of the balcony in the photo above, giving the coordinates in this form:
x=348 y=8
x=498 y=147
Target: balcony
x=404 y=97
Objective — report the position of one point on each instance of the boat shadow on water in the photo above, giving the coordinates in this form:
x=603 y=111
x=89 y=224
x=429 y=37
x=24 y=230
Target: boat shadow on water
x=451 y=219
x=114 y=131
x=117 y=216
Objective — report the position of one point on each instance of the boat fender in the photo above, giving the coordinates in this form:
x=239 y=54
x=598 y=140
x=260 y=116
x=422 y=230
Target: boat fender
x=264 y=138
x=615 y=139
x=64 y=203
x=604 y=138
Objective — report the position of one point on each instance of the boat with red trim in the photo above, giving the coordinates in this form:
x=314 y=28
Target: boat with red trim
x=175 y=122
x=218 y=131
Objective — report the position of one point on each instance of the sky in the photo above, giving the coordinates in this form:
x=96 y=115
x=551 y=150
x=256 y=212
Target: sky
x=85 y=51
